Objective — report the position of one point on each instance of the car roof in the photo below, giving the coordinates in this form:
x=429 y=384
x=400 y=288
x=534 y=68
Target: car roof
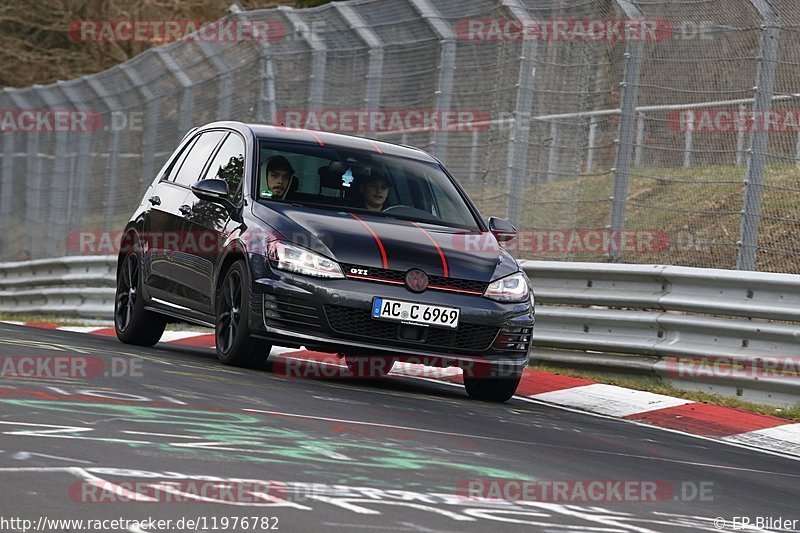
x=324 y=138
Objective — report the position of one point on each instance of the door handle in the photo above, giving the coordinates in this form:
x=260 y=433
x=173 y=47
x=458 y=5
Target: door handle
x=185 y=209
x=155 y=200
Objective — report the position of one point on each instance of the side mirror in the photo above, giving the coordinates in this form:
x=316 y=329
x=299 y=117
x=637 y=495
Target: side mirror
x=213 y=190
x=502 y=229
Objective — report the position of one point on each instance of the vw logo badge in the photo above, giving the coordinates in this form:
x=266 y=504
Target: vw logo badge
x=416 y=280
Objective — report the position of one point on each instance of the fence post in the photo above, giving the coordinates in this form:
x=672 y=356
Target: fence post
x=627 y=124
x=373 y=42
x=688 y=138
x=447 y=65
x=591 y=145
x=58 y=189
x=762 y=104
x=741 y=125
x=797 y=150
x=33 y=180
x=316 y=91
x=151 y=119
x=225 y=78
x=112 y=173
x=187 y=94
x=83 y=169
x=637 y=158
x=517 y=159
x=266 y=92
x=552 y=154
x=6 y=193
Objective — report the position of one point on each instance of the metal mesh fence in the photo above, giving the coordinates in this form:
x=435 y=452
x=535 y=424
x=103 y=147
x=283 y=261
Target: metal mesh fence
x=614 y=130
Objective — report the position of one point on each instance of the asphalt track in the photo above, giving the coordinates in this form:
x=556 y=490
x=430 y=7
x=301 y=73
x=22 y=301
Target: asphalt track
x=169 y=433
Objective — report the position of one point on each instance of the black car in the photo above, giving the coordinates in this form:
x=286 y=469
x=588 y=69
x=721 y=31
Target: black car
x=370 y=250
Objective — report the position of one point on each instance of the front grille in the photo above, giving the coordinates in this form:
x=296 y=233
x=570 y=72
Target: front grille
x=384 y=275
x=283 y=311
x=466 y=285
x=359 y=323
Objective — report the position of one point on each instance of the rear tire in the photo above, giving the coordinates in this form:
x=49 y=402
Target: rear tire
x=491 y=389
x=235 y=346
x=132 y=322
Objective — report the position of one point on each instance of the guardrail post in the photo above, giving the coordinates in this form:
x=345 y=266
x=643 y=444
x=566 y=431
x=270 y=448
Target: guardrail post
x=34 y=184
x=447 y=65
x=591 y=145
x=375 y=67
x=517 y=159
x=187 y=95
x=316 y=91
x=762 y=104
x=112 y=105
x=627 y=123
x=688 y=137
x=151 y=114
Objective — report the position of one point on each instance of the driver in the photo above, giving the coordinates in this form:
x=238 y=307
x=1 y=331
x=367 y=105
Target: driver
x=374 y=190
x=279 y=176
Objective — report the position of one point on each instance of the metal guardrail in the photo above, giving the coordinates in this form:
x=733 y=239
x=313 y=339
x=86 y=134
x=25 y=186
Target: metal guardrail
x=613 y=317
x=80 y=286
x=723 y=331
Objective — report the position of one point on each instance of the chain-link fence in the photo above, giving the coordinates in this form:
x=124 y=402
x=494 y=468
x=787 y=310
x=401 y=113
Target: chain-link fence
x=635 y=131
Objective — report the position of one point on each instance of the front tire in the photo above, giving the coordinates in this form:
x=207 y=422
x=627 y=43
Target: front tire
x=132 y=322
x=235 y=346
x=491 y=389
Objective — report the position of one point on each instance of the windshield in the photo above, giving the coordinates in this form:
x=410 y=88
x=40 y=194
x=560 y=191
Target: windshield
x=323 y=176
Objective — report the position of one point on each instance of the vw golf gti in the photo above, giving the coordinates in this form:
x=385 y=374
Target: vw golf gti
x=289 y=237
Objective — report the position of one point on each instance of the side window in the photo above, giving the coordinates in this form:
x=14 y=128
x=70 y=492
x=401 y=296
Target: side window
x=192 y=166
x=173 y=168
x=228 y=165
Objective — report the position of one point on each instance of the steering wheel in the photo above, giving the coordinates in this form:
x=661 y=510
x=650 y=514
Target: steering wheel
x=395 y=207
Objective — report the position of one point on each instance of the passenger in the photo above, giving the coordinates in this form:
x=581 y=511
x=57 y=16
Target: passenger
x=374 y=191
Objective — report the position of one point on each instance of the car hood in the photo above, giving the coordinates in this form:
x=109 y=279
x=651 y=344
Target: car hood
x=364 y=240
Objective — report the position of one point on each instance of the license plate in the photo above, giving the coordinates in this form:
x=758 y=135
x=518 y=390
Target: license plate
x=414 y=313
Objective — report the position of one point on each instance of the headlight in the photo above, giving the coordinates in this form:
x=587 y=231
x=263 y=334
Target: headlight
x=285 y=256
x=513 y=288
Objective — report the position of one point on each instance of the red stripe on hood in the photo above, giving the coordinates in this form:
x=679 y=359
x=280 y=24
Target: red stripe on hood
x=377 y=240
x=438 y=249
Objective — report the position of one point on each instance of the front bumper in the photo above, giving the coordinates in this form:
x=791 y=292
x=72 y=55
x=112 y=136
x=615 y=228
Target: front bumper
x=335 y=316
